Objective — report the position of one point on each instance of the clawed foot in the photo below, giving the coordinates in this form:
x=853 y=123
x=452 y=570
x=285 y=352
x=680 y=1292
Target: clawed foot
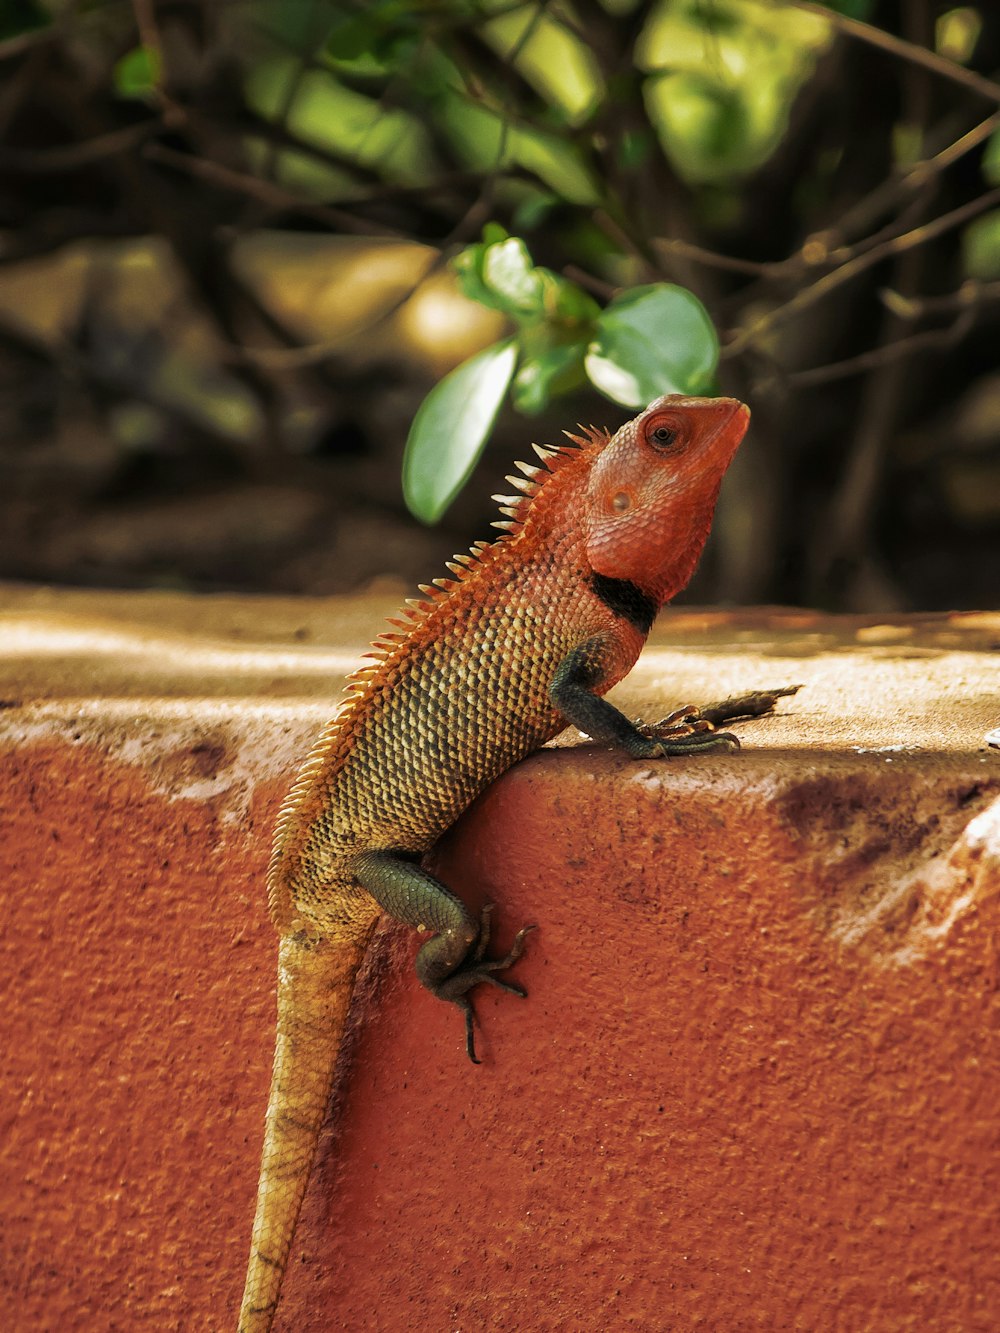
x=479 y=969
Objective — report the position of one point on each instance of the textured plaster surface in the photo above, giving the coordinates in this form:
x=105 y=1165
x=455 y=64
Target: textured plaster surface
x=757 y=1081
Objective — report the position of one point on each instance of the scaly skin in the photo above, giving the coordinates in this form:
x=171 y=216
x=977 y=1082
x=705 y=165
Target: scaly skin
x=527 y=637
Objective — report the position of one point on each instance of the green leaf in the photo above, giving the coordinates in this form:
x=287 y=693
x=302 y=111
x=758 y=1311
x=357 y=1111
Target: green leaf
x=500 y=274
x=560 y=65
x=494 y=233
x=533 y=207
x=723 y=80
x=558 y=163
x=650 y=341
x=322 y=112
x=468 y=269
x=509 y=273
x=554 y=371
x=138 y=73
x=991 y=159
x=706 y=127
x=480 y=136
x=450 y=429
x=353 y=36
x=566 y=303
x=981 y=247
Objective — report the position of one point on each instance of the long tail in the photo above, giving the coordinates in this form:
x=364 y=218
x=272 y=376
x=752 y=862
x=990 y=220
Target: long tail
x=315 y=984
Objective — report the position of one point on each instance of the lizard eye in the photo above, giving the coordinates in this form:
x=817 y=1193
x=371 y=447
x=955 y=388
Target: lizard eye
x=663 y=437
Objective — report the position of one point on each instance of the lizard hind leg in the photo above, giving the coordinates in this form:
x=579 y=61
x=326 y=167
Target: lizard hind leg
x=477 y=970
x=452 y=962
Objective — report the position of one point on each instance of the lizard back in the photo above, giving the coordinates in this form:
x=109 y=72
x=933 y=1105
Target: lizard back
x=457 y=693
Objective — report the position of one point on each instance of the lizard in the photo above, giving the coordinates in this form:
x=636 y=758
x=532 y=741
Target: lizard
x=525 y=637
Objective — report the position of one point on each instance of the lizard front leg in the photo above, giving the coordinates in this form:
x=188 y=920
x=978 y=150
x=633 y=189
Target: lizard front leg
x=573 y=693
x=453 y=960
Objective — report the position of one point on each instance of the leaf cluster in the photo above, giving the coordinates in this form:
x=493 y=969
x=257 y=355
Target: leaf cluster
x=798 y=203
x=646 y=341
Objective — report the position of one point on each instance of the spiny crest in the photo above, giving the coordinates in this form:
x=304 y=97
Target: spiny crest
x=590 y=436
x=516 y=509
x=553 y=458
x=305 y=779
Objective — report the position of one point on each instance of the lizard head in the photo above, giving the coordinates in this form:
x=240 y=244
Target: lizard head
x=652 y=490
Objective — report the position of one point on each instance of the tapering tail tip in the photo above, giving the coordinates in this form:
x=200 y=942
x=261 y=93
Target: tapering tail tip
x=315 y=984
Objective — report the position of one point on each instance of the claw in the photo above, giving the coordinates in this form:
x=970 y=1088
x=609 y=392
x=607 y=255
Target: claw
x=678 y=715
x=465 y=1004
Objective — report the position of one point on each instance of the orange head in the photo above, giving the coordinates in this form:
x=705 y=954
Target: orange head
x=652 y=490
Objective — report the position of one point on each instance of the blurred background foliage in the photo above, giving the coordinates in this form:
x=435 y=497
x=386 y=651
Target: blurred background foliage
x=227 y=234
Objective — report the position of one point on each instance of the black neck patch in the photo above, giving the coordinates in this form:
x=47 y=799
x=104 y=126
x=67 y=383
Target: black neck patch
x=626 y=600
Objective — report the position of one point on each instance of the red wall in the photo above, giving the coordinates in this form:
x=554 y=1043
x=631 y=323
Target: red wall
x=756 y=1084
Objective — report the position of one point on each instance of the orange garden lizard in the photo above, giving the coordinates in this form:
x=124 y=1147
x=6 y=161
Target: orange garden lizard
x=525 y=637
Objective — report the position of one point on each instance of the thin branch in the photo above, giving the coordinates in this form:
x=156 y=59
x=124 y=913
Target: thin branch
x=291 y=358
x=620 y=236
x=149 y=32
x=831 y=244
x=72 y=157
x=899 y=46
x=264 y=191
x=972 y=293
x=885 y=354
x=315 y=354
x=604 y=290
x=948 y=156
x=843 y=551
x=726 y=263
x=861 y=215
x=477 y=214
x=173 y=113
x=12 y=47
x=895 y=245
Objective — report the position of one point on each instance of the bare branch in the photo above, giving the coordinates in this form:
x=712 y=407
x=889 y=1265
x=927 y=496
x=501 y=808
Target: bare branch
x=264 y=192
x=72 y=157
x=880 y=356
x=894 y=245
x=971 y=293
x=725 y=263
x=899 y=46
